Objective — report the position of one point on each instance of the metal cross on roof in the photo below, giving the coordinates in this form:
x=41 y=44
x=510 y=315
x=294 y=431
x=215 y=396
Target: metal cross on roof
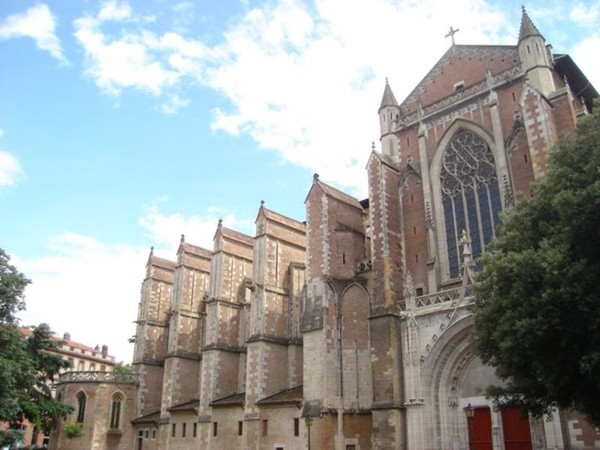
x=451 y=33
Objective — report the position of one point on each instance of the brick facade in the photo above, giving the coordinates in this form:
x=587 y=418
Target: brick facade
x=357 y=321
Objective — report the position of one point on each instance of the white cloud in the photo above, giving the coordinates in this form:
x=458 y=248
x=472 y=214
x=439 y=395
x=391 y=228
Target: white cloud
x=36 y=23
x=88 y=288
x=589 y=66
x=121 y=63
x=10 y=169
x=304 y=81
x=166 y=229
x=115 y=10
x=137 y=57
x=91 y=289
x=586 y=15
x=184 y=16
x=307 y=83
x=173 y=104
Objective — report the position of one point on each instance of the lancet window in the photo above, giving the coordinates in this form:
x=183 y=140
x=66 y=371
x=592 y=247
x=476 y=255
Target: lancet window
x=80 y=406
x=470 y=195
x=115 y=413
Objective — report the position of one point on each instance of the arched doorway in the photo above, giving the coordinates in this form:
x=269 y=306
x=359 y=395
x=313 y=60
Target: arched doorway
x=454 y=384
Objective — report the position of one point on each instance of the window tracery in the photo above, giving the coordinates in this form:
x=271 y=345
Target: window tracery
x=115 y=413
x=470 y=195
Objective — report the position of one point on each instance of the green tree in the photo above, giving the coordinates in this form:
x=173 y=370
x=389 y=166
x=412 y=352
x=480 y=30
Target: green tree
x=17 y=375
x=26 y=366
x=123 y=368
x=39 y=407
x=12 y=290
x=122 y=372
x=537 y=307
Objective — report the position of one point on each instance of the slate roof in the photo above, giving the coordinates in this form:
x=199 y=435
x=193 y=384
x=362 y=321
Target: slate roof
x=230 y=400
x=192 y=405
x=148 y=418
x=293 y=395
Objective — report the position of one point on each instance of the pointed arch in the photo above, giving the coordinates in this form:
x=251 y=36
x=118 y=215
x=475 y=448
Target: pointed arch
x=355 y=345
x=81 y=400
x=454 y=377
x=354 y=309
x=466 y=192
x=116 y=402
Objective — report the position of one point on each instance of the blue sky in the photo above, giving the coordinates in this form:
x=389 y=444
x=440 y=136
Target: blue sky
x=124 y=124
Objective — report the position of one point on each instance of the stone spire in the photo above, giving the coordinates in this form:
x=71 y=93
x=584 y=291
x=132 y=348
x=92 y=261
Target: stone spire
x=389 y=113
x=527 y=27
x=536 y=56
x=388 y=97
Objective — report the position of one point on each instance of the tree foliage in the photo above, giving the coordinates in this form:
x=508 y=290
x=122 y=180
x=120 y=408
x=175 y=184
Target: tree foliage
x=12 y=290
x=40 y=407
x=537 y=308
x=123 y=368
x=27 y=366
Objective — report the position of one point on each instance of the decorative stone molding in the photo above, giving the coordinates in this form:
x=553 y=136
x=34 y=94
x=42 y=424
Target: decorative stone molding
x=98 y=377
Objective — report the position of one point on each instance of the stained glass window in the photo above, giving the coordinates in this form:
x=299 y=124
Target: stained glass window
x=470 y=195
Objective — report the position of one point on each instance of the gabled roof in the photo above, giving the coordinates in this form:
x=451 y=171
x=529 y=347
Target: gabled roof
x=292 y=395
x=383 y=158
x=159 y=262
x=481 y=53
x=527 y=28
x=232 y=234
x=333 y=192
x=192 y=249
x=280 y=218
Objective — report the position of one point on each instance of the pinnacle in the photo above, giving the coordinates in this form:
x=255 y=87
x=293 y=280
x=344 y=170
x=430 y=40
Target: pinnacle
x=388 y=96
x=527 y=27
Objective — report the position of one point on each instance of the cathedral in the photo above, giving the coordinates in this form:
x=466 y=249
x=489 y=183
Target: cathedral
x=350 y=330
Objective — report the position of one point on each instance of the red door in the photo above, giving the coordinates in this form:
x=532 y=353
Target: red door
x=480 y=429
x=516 y=429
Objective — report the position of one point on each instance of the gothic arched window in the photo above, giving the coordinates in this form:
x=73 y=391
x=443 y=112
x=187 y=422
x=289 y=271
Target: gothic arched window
x=115 y=412
x=470 y=195
x=80 y=406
